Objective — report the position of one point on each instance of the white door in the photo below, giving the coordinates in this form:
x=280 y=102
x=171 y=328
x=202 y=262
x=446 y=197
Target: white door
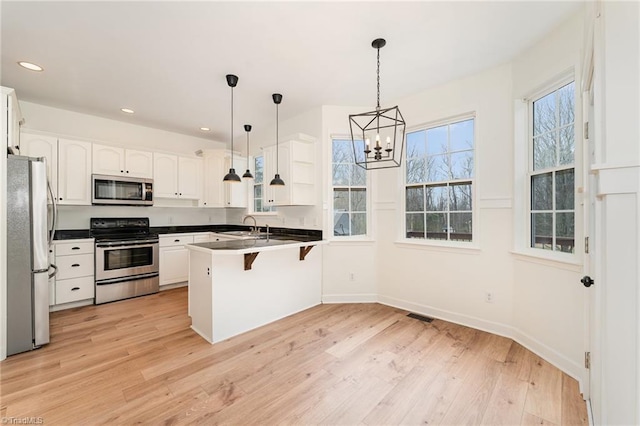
x=165 y=175
x=74 y=172
x=138 y=163
x=174 y=265
x=108 y=160
x=213 y=188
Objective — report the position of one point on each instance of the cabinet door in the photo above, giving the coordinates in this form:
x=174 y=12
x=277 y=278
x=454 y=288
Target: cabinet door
x=190 y=178
x=43 y=146
x=165 y=175
x=236 y=192
x=213 y=193
x=277 y=162
x=174 y=265
x=108 y=160
x=138 y=163
x=74 y=172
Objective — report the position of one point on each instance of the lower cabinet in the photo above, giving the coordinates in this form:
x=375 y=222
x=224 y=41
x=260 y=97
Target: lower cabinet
x=174 y=258
x=75 y=280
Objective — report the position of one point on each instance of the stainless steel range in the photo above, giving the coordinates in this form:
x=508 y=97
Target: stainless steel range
x=126 y=258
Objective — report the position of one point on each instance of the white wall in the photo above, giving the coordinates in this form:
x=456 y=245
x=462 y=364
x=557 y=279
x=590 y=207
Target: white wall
x=548 y=299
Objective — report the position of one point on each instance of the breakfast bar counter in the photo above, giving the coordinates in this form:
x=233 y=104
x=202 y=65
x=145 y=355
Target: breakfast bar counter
x=238 y=285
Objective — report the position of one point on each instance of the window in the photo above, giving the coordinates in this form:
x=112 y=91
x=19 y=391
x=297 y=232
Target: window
x=439 y=182
x=259 y=205
x=552 y=170
x=349 y=191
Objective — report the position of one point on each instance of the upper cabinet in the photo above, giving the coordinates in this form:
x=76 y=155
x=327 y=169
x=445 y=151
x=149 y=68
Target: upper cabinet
x=68 y=166
x=74 y=172
x=110 y=160
x=177 y=177
x=11 y=119
x=295 y=162
x=218 y=193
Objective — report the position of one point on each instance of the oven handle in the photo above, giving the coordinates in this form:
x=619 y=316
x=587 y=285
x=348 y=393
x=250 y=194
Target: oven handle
x=149 y=243
x=125 y=279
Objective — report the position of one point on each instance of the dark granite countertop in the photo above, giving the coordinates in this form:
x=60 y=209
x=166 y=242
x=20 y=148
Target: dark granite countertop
x=312 y=234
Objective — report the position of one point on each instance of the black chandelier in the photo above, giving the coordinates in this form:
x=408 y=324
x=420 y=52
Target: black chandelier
x=377 y=136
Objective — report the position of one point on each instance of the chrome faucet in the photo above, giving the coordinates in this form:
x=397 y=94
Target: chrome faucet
x=255 y=224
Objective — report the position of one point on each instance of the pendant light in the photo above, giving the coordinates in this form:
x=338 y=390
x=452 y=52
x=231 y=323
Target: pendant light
x=232 y=81
x=384 y=128
x=276 y=181
x=247 y=174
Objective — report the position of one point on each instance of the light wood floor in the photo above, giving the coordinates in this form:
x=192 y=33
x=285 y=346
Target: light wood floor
x=137 y=361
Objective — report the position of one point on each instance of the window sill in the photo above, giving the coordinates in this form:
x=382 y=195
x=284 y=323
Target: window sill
x=569 y=262
x=447 y=247
x=346 y=241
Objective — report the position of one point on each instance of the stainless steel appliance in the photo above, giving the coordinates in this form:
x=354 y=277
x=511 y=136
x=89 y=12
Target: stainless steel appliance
x=126 y=191
x=27 y=254
x=127 y=258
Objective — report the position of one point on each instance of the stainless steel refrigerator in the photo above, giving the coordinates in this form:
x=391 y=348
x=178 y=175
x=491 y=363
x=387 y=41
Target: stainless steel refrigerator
x=27 y=254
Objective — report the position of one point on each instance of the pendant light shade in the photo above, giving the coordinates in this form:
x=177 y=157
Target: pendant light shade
x=247 y=174
x=232 y=81
x=277 y=181
x=378 y=136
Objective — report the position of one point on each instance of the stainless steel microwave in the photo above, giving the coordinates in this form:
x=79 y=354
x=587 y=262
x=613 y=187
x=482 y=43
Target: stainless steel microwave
x=120 y=190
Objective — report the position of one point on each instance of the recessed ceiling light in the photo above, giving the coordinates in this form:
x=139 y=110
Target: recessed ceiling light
x=127 y=110
x=30 y=66
x=205 y=129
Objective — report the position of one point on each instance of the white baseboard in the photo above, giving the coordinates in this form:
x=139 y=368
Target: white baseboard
x=71 y=305
x=174 y=285
x=350 y=298
x=550 y=355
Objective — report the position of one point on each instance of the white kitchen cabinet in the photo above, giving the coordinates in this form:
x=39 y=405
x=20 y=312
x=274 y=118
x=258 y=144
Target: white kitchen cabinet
x=295 y=163
x=68 y=165
x=35 y=145
x=202 y=238
x=216 y=192
x=177 y=177
x=111 y=160
x=75 y=280
x=12 y=118
x=74 y=172
x=174 y=258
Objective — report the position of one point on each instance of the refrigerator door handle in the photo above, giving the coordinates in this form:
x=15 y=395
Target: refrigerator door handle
x=54 y=213
x=55 y=270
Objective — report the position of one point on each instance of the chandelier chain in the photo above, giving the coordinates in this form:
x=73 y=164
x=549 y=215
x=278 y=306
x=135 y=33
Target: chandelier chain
x=378 y=77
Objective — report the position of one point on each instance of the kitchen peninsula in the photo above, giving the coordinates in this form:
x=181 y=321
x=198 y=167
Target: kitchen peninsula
x=241 y=284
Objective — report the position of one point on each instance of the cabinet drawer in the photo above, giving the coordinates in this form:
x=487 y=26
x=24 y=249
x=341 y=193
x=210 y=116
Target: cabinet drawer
x=175 y=240
x=74 y=289
x=202 y=238
x=74 y=266
x=65 y=249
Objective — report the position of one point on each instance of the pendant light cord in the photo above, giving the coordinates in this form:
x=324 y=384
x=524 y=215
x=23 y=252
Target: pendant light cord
x=277 y=142
x=231 y=127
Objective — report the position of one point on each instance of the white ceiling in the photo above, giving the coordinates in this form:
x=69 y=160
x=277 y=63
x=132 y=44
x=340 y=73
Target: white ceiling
x=168 y=60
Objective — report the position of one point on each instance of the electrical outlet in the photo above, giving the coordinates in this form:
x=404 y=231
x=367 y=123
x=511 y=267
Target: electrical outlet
x=352 y=276
x=488 y=297
x=170 y=219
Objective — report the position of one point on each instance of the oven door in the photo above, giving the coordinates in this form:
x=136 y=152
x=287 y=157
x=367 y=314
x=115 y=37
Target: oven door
x=126 y=259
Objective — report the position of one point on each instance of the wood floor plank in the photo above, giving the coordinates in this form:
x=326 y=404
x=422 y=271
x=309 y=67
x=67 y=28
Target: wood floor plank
x=138 y=362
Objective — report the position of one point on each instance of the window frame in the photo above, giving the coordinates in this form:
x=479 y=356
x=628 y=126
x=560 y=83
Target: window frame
x=530 y=172
x=522 y=163
x=252 y=200
x=455 y=244
x=330 y=205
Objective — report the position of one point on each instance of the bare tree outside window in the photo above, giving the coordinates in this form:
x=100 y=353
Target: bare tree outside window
x=349 y=190
x=439 y=186
x=552 y=175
